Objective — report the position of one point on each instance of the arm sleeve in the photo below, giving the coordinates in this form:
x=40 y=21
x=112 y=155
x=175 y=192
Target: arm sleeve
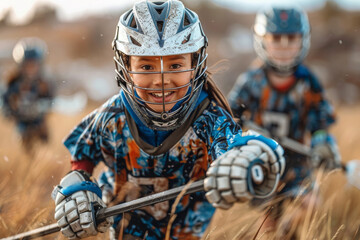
x=217 y=128
x=90 y=142
x=321 y=114
x=85 y=165
x=9 y=103
x=222 y=133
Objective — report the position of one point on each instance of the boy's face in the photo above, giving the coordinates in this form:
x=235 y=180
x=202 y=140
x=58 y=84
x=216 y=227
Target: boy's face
x=154 y=82
x=31 y=68
x=282 y=49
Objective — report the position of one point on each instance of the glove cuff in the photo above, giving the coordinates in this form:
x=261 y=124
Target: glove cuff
x=85 y=185
x=75 y=181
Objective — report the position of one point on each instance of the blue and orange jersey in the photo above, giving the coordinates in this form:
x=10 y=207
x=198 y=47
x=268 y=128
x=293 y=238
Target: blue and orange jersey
x=295 y=113
x=27 y=100
x=138 y=168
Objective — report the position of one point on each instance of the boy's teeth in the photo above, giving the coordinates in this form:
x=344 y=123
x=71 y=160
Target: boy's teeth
x=160 y=94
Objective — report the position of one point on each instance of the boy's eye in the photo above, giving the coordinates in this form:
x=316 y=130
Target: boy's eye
x=175 y=66
x=146 y=67
x=291 y=37
x=294 y=37
x=276 y=37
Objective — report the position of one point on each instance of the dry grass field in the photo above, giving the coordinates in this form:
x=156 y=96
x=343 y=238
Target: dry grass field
x=26 y=183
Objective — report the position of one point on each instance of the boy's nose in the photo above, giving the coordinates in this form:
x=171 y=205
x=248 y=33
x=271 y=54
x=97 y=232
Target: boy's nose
x=284 y=40
x=160 y=78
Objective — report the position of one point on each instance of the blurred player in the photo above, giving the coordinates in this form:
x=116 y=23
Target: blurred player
x=28 y=97
x=284 y=97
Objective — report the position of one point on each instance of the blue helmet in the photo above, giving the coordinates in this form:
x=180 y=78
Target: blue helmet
x=30 y=48
x=281 y=20
x=160 y=28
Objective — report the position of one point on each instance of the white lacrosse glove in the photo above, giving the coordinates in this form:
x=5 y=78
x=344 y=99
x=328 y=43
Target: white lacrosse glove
x=77 y=199
x=325 y=154
x=251 y=168
x=324 y=150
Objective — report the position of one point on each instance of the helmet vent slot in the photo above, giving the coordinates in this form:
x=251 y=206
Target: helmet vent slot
x=133 y=23
x=160 y=25
x=186 y=39
x=186 y=20
x=133 y=40
x=159 y=10
x=158 y=3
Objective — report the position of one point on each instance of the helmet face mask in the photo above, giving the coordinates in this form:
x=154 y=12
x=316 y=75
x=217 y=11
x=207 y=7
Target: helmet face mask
x=164 y=83
x=282 y=37
x=163 y=91
x=282 y=49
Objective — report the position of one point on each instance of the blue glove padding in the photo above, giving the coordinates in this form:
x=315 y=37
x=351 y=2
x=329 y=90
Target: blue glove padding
x=245 y=139
x=85 y=185
x=277 y=154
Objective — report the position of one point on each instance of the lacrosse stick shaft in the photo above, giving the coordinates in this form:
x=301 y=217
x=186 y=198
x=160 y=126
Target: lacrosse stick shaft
x=39 y=232
x=286 y=142
x=197 y=186
x=102 y=214
x=283 y=141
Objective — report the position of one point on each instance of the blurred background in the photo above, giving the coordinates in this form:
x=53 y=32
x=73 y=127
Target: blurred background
x=80 y=62
x=79 y=39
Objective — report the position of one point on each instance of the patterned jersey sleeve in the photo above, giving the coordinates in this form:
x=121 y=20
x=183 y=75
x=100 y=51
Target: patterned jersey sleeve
x=321 y=113
x=218 y=129
x=8 y=108
x=92 y=140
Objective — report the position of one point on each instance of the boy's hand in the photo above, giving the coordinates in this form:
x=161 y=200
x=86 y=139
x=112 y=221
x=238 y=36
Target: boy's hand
x=251 y=170
x=77 y=199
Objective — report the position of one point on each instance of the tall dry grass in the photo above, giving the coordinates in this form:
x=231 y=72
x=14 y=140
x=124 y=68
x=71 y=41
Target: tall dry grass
x=26 y=181
x=331 y=211
x=26 y=184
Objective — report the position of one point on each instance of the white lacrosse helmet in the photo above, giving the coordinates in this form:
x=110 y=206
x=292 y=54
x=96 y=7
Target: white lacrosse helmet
x=160 y=28
x=29 y=48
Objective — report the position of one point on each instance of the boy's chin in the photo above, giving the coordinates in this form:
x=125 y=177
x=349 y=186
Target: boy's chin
x=159 y=108
x=284 y=63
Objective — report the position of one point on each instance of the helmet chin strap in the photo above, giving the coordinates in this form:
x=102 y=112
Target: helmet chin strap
x=281 y=72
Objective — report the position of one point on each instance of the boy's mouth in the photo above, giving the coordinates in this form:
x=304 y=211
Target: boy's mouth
x=158 y=96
